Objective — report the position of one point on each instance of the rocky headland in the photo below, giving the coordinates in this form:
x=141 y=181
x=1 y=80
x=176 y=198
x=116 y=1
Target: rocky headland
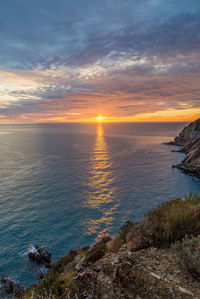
x=158 y=257
x=189 y=138
x=188 y=134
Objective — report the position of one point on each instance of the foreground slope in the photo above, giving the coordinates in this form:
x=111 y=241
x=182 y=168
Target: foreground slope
x=137 y=263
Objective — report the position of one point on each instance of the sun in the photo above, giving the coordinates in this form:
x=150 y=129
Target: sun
x=100 y=118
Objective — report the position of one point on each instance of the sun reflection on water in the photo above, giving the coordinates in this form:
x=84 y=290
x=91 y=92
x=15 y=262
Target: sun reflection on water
x=102 y=193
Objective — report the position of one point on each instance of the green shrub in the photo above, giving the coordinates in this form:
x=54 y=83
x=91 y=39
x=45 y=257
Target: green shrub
x=188 y=255
x=173 y=219
x=97 y=251
x=125 y=229
x=120 y=239
x=60 y=265
x=56 y=285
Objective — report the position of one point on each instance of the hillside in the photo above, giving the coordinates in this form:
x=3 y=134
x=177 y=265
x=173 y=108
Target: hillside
x=151 y=258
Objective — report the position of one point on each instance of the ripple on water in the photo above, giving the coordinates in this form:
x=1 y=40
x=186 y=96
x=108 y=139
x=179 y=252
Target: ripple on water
x=63 y=186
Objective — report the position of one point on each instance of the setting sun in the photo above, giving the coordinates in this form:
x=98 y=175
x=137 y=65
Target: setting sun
x=100 y=118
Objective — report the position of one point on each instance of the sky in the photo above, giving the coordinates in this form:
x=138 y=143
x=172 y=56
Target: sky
x=73 y=60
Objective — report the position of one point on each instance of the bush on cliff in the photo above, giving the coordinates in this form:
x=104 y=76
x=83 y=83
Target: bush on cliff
x=60 y=265
x=58 y=280
x=97 y=251
x=162 y=226
x=187 y=252
x=173 y=219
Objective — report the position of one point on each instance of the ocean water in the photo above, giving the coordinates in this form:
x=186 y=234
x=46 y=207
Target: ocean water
x=64 y=186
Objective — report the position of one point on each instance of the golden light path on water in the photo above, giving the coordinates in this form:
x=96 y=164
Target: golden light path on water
x=102 y=193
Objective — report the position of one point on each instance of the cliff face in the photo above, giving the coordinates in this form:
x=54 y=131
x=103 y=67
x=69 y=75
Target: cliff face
x=191 y=163
x=189 y=138
x=189 y=133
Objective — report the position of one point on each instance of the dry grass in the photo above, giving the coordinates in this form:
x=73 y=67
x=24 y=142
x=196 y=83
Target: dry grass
x=187 y=252
x=172 y=220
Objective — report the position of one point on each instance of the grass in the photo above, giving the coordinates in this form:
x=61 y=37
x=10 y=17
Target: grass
x=53 y=286
x=97 y=251
x=121 y=237
x=187 y=252
x=59 y=266
x=172 y=220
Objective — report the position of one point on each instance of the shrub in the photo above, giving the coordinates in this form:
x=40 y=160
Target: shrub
x=188 y=255
x=125 y=229
x=60 y=265
x=97 y=251
x=173 y=219
x=120 y=239
x=55 y=285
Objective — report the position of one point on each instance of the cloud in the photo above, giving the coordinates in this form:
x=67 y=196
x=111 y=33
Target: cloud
x=70 y=58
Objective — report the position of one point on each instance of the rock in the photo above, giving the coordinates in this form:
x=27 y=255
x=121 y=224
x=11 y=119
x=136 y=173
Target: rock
x=183 y=290
x=190 y=146
x=40 y=255
x=11 y=288
x=191 y=163
x=189 y=133
x=124 y=274
x=128 y=276
x=189 y=138
x=41 y=273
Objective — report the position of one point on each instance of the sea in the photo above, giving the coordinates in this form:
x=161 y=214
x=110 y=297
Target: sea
x=66 y=185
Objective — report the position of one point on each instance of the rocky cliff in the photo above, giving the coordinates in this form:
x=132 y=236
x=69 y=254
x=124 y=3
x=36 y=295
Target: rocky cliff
x=189 y=138
x=189 y=133
x=191 y=163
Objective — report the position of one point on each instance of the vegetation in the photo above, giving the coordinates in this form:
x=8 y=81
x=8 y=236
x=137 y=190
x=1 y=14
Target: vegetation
x=125 y=229
x=120 y=239
x=188 y=255
x=60 y=279
x=162 y=226
x=97 y=251
x=63 y=262
x=172 y=220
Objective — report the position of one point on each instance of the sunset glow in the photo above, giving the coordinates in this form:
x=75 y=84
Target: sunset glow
x=103 y=60
x=100 y=118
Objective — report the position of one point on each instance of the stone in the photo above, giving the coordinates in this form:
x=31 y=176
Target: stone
x=189 y=133
x=189 y=138
x=11 y=287
x=40 y=255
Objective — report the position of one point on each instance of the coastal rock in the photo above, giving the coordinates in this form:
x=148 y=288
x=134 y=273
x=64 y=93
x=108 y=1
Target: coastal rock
x=189 y=133
x=190 y=146
x=11 y=288
x=189 y=138
x=191 y=163
x=40 y=255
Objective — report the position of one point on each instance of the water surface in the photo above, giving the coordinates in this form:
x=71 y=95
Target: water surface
x=65 y=185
